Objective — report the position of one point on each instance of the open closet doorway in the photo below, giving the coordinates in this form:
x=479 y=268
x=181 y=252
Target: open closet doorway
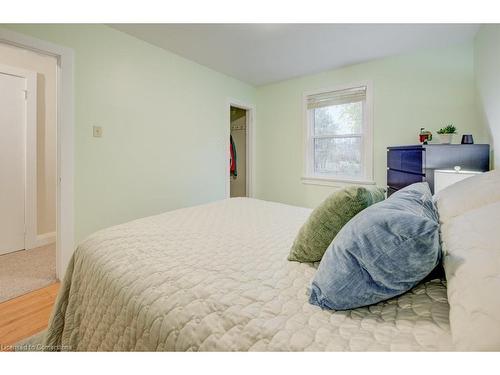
x=28 y=171
x=238 y=152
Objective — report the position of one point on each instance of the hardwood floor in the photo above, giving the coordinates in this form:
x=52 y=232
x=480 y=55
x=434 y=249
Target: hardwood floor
x=26 y=315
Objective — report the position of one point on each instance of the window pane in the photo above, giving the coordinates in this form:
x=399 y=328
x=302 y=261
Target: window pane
x=339 y=119
x=338 y=156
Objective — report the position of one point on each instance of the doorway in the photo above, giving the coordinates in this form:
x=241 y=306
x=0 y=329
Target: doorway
x=28 y=150
x=238 y=152
x=65 y=138
x=12 y=161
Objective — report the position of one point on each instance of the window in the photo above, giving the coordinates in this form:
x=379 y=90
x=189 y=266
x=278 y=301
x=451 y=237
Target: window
x=339 y=136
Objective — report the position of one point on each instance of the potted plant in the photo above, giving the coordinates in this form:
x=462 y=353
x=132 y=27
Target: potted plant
x=446 y=133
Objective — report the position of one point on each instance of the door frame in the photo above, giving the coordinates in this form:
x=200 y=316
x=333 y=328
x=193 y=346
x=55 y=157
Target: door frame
x=65 y=139
x=250 y=151
x=30 y=153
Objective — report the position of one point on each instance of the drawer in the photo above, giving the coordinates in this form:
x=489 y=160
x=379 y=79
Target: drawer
x=407 y=160
x=443 y=179
x=398 y=180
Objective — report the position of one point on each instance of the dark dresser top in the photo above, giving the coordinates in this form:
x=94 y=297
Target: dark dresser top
x=436 y=145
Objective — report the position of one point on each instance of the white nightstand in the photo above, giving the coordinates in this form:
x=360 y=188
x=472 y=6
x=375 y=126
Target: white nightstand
x=446 y=177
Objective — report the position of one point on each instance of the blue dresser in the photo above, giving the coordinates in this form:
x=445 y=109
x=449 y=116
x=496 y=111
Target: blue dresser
x=409 y=164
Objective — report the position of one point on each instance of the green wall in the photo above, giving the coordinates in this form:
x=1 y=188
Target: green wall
x=165 y=122
x=426 y=89
x=487 y=73
x=164 y=119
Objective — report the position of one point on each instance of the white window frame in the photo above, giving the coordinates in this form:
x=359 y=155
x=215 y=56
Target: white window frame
x=309 y=176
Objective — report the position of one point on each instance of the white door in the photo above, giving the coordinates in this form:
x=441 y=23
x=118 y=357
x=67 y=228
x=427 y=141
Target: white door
x=12 y=162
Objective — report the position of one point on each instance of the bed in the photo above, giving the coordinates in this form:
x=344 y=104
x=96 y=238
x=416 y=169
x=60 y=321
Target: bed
x=215 y=278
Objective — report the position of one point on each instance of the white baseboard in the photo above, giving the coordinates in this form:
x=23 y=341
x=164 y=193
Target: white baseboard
x=45 y=239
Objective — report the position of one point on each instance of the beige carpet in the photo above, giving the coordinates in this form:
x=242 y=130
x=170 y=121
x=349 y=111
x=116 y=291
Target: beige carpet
x=27 y=270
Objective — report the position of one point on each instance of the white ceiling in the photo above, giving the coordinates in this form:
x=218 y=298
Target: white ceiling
x=265 y=53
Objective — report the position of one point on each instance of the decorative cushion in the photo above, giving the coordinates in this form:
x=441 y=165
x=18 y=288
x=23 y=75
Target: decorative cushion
x=472 y=266
x=468 y=194
x=382 y=252
x=328 y=218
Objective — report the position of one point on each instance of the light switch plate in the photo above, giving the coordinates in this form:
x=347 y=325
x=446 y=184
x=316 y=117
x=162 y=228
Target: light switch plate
x=97 y=131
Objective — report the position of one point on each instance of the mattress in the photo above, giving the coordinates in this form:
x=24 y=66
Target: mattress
x=215 y=278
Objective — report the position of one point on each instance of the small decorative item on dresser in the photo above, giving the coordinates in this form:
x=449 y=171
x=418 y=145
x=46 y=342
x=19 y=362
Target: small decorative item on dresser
x=467 y=139
x=446 y=134
x=425 y=136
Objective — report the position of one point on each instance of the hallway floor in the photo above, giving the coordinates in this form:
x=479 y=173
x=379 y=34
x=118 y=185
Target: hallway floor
x=24 y=271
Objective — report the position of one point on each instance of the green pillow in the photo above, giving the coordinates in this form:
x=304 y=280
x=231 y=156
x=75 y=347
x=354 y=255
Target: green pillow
x=328 y=218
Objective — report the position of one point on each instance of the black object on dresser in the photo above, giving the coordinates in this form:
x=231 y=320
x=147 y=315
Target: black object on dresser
x=409 y=164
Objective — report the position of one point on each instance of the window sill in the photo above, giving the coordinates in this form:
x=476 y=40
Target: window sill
x=331 y=181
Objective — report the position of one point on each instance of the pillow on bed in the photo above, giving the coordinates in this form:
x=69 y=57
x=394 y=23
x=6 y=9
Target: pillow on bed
x=472 y=267
x=468 y=194
x=328 y=218
x=382 y=252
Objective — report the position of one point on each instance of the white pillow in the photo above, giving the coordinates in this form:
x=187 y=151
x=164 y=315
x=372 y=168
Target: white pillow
x=472 y=266
x=468 y=194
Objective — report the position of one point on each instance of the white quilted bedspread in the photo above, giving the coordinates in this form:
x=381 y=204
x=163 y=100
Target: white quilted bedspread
x=215 y=277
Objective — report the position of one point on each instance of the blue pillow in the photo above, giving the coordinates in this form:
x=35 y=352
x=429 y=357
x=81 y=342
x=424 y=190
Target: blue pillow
x=383 y=251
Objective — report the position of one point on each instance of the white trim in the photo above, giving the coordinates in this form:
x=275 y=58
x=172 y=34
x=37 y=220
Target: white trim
x=30 y=153
x=65 y=140
x=250 y=150
x=326 y=181
x=307 y=151
x=45 y=239
x=368 y=131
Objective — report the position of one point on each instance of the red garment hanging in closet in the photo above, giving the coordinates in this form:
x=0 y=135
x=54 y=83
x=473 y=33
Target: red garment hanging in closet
x=232 y=162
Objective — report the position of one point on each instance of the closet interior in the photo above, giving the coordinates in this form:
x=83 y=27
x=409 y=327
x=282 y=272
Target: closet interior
x=238 y=149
